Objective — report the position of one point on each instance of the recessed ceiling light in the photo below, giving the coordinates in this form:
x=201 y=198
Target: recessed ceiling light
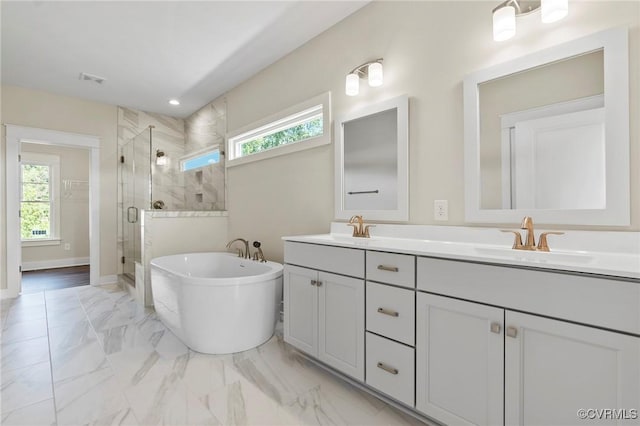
x=174 y=102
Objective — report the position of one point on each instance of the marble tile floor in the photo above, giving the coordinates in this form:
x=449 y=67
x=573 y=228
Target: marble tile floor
x=91 y=355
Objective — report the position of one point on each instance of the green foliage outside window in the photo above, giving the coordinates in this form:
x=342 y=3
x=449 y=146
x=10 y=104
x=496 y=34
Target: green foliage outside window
x=293 y=134
x=35 y=206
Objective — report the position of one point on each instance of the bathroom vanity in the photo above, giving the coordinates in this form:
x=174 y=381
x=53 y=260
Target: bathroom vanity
x=449 y=322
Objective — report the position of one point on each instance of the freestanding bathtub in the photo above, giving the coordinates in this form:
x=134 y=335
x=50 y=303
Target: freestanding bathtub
x=217 y=303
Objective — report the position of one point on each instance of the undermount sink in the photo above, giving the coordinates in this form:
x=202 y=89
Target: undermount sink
x=534 y=256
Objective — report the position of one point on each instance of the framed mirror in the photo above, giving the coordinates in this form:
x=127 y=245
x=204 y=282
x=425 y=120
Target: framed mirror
x=371 y=162
x=547 y=135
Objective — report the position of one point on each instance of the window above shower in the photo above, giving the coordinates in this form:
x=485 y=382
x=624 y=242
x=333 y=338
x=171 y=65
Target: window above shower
x=199 y=160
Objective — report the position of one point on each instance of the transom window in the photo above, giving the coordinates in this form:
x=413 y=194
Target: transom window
x=39 y=178
x=200 y=160
x=304 y=125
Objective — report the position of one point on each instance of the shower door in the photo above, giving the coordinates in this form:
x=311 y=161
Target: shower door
x=136 y=197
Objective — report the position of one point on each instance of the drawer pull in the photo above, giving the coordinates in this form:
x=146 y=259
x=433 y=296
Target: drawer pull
x=388 y=312
x=388 y=268
x=512 y=332
x=387 y=368
x=495 y=327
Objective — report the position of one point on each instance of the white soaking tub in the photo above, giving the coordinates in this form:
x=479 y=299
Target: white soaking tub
x=217 y=303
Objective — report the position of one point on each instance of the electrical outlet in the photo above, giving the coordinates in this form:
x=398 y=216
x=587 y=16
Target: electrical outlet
x=67 y=246
x=440 y=210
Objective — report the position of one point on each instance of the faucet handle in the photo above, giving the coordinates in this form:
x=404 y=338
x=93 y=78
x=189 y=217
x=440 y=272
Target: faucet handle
x=517 y=242
x=366 y=230
x=542 y=240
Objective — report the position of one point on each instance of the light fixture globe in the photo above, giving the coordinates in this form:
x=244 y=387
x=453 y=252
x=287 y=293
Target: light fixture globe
x=352 y=84
x=504 y=23
x=553 y=10
x=376 y=77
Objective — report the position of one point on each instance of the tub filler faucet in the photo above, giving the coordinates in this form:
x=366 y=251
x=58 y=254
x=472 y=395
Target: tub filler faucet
x=244 y=254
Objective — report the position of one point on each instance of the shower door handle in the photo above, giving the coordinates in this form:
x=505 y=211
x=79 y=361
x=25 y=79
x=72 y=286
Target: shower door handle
x=135 y=217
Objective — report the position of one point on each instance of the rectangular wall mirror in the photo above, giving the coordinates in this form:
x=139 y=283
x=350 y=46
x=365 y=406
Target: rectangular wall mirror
x=372 y=162
x=547 y=135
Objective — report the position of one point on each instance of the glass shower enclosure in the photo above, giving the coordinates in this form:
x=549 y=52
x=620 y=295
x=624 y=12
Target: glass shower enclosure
x=135 y=169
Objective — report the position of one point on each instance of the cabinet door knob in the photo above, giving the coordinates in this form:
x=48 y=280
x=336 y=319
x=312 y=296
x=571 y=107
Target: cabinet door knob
x=319 y=283
x=512 y=332
x=388 y=312
x=496 y=327
x=314 y=282
x=388 y=268
x=388 y=369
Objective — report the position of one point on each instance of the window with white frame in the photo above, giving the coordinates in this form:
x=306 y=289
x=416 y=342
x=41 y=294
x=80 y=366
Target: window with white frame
x=39 y=205
x=301 y=126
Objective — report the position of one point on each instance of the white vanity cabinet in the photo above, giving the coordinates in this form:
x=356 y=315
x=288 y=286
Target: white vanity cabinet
x=551 y=367
x=324 y=312
x=467 y=342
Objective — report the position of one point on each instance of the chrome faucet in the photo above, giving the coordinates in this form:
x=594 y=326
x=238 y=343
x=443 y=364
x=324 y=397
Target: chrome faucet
x=244 y=254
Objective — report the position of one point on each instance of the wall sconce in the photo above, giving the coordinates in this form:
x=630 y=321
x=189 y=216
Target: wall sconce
x=161 y=158
x=504 y=15
x=371 y=70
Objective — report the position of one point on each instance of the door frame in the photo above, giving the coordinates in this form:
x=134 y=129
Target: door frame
x=15 y=135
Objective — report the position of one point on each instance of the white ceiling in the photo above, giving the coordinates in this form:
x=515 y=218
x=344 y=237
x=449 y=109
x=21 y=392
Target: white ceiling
x=153 y=51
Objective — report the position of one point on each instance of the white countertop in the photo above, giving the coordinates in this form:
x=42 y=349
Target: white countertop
x=617 y=254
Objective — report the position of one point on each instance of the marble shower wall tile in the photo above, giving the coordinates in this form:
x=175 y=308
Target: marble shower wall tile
x=205 y=188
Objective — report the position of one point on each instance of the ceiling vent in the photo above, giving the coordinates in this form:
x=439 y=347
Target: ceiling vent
x=91 y=77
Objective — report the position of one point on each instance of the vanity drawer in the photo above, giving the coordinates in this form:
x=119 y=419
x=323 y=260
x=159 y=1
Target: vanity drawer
x=390 y=368
x=391 y=312
x=398 y=269
x=338 y=260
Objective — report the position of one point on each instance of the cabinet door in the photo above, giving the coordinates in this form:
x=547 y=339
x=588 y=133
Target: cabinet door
x=301 y=309
x=459 y=361
x=341 y=323
x=554 y=368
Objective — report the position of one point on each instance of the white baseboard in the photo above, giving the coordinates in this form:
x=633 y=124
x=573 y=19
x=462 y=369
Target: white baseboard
x=56 y=263
x=108 y=279
x=5 y=293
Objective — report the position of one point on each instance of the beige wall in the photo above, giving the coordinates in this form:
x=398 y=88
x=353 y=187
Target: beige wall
x=25 y=107
x=74 y=206
x=428 y=48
